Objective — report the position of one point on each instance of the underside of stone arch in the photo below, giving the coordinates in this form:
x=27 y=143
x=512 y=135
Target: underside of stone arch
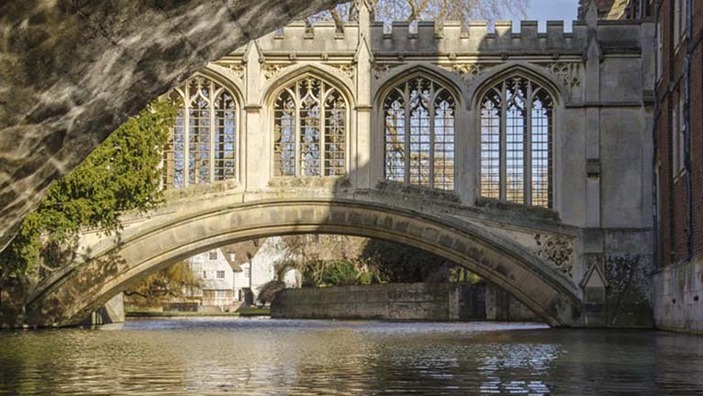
x=68 y=297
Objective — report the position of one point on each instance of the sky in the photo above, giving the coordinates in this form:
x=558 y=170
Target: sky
x=544 y=10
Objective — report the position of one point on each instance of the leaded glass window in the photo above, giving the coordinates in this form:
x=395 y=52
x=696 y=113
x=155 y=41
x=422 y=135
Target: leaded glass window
x=310 y=128
x=202 y=145
x=516 y=138
x=419 y=116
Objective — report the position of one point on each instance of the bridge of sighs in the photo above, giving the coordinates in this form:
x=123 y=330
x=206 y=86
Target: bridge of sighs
x=523 y=155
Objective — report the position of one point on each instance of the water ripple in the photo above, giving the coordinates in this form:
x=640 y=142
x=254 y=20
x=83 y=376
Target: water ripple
x=270 y=357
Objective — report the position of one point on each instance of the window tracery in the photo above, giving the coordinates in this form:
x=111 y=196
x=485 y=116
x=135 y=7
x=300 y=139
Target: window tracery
x=202 y=145
x=419 y=116
x=517 y=126
x=310 y=127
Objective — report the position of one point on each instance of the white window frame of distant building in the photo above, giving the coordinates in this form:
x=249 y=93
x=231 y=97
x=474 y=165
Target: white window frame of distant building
x=220 y=274
x=212 y=255
x=660 y=49
x=247 y=271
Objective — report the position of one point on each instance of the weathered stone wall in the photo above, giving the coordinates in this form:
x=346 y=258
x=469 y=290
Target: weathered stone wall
x=413 y=301
x=72 y=72
x=679 y=297
x=501 y=306
x=409 y=301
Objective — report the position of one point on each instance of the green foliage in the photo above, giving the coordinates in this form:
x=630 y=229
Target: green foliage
x=122 y=174
x=172 y=282
x=340 y=273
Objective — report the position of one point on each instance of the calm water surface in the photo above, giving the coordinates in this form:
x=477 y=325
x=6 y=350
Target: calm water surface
x=278 y=357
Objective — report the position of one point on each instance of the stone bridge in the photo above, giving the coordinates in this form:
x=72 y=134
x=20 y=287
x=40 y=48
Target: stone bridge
x=523 y=156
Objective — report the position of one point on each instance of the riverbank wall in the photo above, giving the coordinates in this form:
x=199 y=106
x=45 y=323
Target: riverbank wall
x=401 y=301
x=678 y=290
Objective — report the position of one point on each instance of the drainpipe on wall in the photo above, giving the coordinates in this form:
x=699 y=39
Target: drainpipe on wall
x=687 y=131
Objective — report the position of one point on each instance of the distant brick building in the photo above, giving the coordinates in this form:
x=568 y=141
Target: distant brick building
x=678 y=163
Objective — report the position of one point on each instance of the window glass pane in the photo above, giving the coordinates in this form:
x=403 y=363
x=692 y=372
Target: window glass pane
x=224 y=137
x=310 y=120
x=444 y=141
x=541 y=150
x=203 y=137
x=309 y=161
x=335 y=134
x=284 y=135
x=395 y=137
x=490 y=145
x=419 y=134
x=516 y=156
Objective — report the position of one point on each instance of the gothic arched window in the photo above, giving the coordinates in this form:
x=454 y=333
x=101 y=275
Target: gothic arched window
x=202 y=146
x=310 y=128
x=419 y=134
x=517 y=127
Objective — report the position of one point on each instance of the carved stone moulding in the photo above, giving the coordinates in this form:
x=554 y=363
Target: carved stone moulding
x=558 y=250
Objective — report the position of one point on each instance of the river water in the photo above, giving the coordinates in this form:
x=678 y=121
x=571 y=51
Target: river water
x=278 y=357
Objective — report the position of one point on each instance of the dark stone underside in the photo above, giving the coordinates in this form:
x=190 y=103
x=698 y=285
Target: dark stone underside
x=72 y=71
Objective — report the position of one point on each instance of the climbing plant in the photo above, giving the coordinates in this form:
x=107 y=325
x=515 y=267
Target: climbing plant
x=121 y=175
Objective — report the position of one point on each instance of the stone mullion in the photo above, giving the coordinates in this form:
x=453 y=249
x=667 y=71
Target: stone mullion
x=297 y=165
x=502 y=162
x=322 y=153
x=186 y=135
x=432 y=133
x=211 y=154
x=527 y=149
x=406 y=132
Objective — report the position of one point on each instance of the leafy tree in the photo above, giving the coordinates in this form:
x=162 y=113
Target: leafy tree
x=121 y=175
x=325 y=259
x=175 y=281
x=427 y=10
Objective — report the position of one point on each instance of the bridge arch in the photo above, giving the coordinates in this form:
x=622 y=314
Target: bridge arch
x=85 y=285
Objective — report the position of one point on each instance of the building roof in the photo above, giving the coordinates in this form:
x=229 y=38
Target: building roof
x=243 y=253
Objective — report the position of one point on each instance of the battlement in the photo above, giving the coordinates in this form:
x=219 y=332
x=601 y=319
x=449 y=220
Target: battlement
x=451 y=37
x=321 y=38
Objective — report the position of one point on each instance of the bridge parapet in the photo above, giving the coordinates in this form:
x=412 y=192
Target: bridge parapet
x=425 y=38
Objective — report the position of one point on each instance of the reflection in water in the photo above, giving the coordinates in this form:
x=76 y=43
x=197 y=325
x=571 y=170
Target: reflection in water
x=271 y=357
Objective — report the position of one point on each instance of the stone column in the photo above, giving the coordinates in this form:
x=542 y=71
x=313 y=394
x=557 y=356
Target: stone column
x=361 y=156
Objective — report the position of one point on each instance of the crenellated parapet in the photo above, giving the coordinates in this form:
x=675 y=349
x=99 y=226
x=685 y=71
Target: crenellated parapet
x=428 y=39
x=468 y=54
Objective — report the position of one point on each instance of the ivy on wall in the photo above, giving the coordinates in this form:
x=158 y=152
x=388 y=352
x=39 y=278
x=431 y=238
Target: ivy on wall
x=121 y=175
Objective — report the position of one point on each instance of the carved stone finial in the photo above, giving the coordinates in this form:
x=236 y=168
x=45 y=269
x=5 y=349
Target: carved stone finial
x=591 y=14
